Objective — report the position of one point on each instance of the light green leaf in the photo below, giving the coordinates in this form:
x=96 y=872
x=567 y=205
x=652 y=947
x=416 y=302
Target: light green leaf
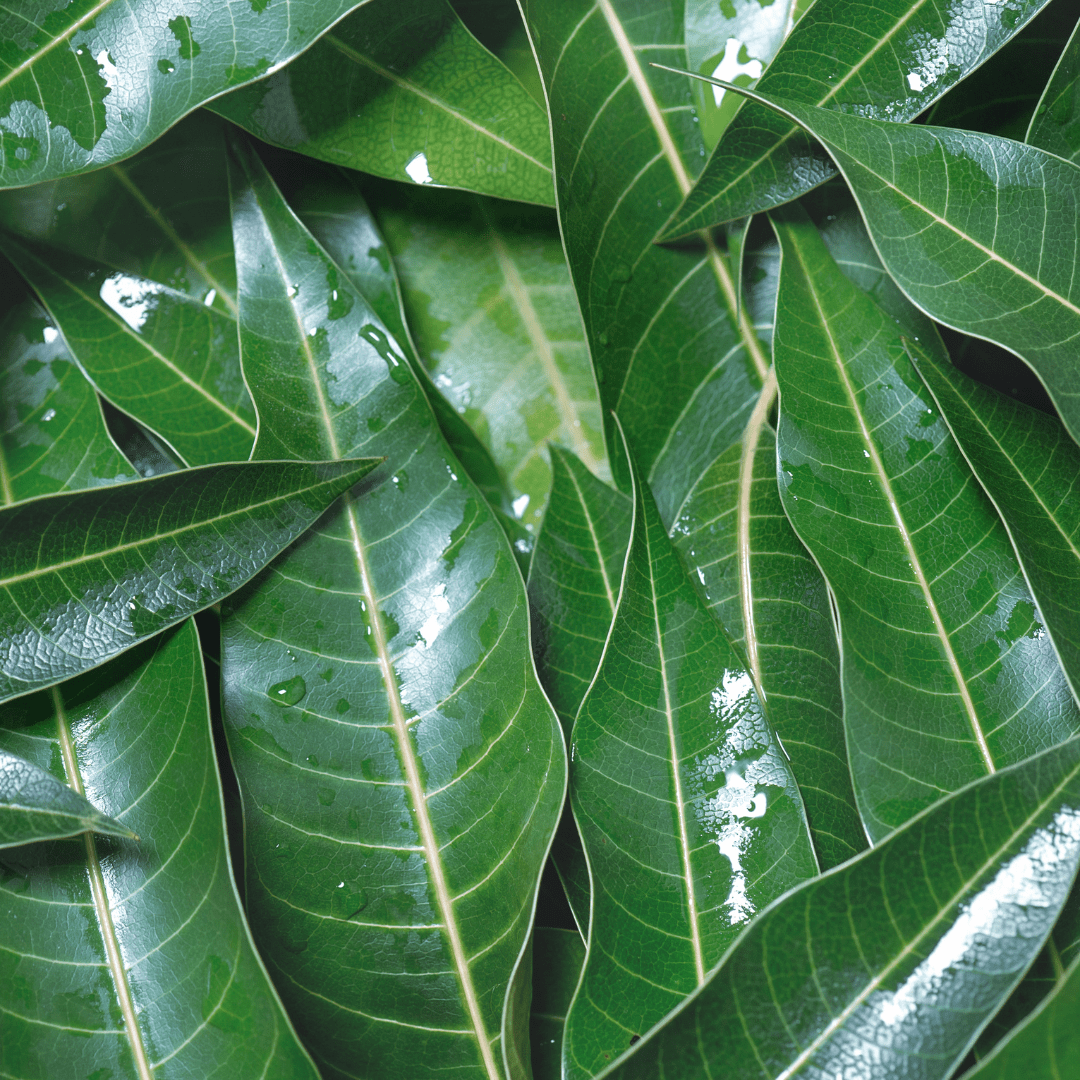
x=558 y=956
x=689 y=814
x=401 y=771
x=1056 y=123
x=406 y=92
x=898 y=58
x=947 y=672
x=895 y=961
x=87 y=574
x=123 y=959
x=89 y=84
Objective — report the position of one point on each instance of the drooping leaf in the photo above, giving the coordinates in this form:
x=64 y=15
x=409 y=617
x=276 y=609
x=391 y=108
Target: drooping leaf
x=131 y=959
x=406 y=92
x=1028 y=465
x=947 y=671
x=87 y=574
x=558 y=956
x=396 y=834
x=34 y=805
x=890 y=965
x=88 y=85
x=492 y=308
x=687 y=808
x=889 y=60
x=1056 y=123
x=670 y=359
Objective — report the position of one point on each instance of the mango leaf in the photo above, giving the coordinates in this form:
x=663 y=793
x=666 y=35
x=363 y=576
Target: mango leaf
x=895 y=961
x=763 y=587
x=1028 y=465
x=903 y=56
x=34 y=805
x=490 y=303
x=87 y=574
x=406 y=92
x=86 y=86
x=948 y=673
x=558 y=956
x=1056 y=123
x=688 y=811
x=670 y=359
x=396 y=833
x=132 y=959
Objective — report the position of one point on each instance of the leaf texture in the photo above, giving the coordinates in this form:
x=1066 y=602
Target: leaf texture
x=891 y=964
x=1056 y=123
x=401 y=770
x=688 y=811
x=406 y=92
x=558 y=956
x=947 y=671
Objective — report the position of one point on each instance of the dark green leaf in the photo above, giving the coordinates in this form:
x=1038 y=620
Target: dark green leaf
x=89 y=84
x=890 y=59
x=406 y=92
x=947 y=671
x=396 y=834
x=1056 y=123
x=558 y=956
x=889 y=966
x=34 y=805
x=688 y=811
x=132 y=960
x=85 y=575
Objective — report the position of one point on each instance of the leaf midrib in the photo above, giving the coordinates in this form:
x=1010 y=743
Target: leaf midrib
x=70 y=32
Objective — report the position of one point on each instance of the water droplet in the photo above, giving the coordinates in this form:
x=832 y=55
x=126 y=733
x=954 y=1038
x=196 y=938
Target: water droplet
x=288 y=692
x=603 y=339
x=326 y=796
x=165 y=66
x=48 y=415
x=347 y=902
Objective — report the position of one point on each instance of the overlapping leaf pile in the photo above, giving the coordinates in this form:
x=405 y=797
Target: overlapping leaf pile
x=618 y=617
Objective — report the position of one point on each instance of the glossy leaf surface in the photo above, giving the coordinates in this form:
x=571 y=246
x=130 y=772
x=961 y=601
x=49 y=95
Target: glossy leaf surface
x=89 y=84
x=1029 y=467
x=557 y=959
x=688 y=810
x=890 y=965
x=891 y=60
x=947 y=670
x=86 y=575
x=131 y=959
x=670 y=360
x=496 y=324
x=406 y=92
x=35 y=805
x=763 y=587
x=1056 y=123
x=402 y=773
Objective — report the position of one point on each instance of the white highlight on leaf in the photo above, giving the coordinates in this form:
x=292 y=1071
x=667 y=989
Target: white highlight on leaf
x=210 y=297
x=520 y=504
x=50 y=334
x=130 y=297
x=431 y=628
x=730 y=67
x=418 y=170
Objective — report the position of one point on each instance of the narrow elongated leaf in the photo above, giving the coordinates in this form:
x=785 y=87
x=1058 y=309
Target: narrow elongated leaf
x=688 y=811
x=396 y=834
x=670 y=359
x=1028 y=465
x=492 y=308
x=890 y=965
x=406 y=92
x=558 y=956
x=1056 y=123
x=947 y=670
x=34 y=805
x=891 y=60
x=763 y=587
x=90 y=84
x=131 y=959
x=85 y=575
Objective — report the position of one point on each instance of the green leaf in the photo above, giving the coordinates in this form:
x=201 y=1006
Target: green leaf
x=87 y=574
x=891 y=964
x=558 y=956
x=1056 y=123
x=490 y=303
x=947 y=672
x=89 y=84
x=689 y=813
x=670 y=360
x=1028 y=465
x=401 y=771
x=121 y=959
x=902 y=56
x=406 y=92
x=34 y=805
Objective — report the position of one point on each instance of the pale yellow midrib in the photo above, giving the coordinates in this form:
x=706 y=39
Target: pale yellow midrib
x=894 y=508
x=6 y=491
x=596 y=543
x=70 y=32
x=101 y=900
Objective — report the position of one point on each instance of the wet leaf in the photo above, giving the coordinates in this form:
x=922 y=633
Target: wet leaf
x=1056 y=123
x=558 y=956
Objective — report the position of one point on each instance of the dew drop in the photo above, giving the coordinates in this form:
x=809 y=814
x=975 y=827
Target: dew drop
x=165 y=66
x=49 y=414
x=288 y=692
x=326 y=796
